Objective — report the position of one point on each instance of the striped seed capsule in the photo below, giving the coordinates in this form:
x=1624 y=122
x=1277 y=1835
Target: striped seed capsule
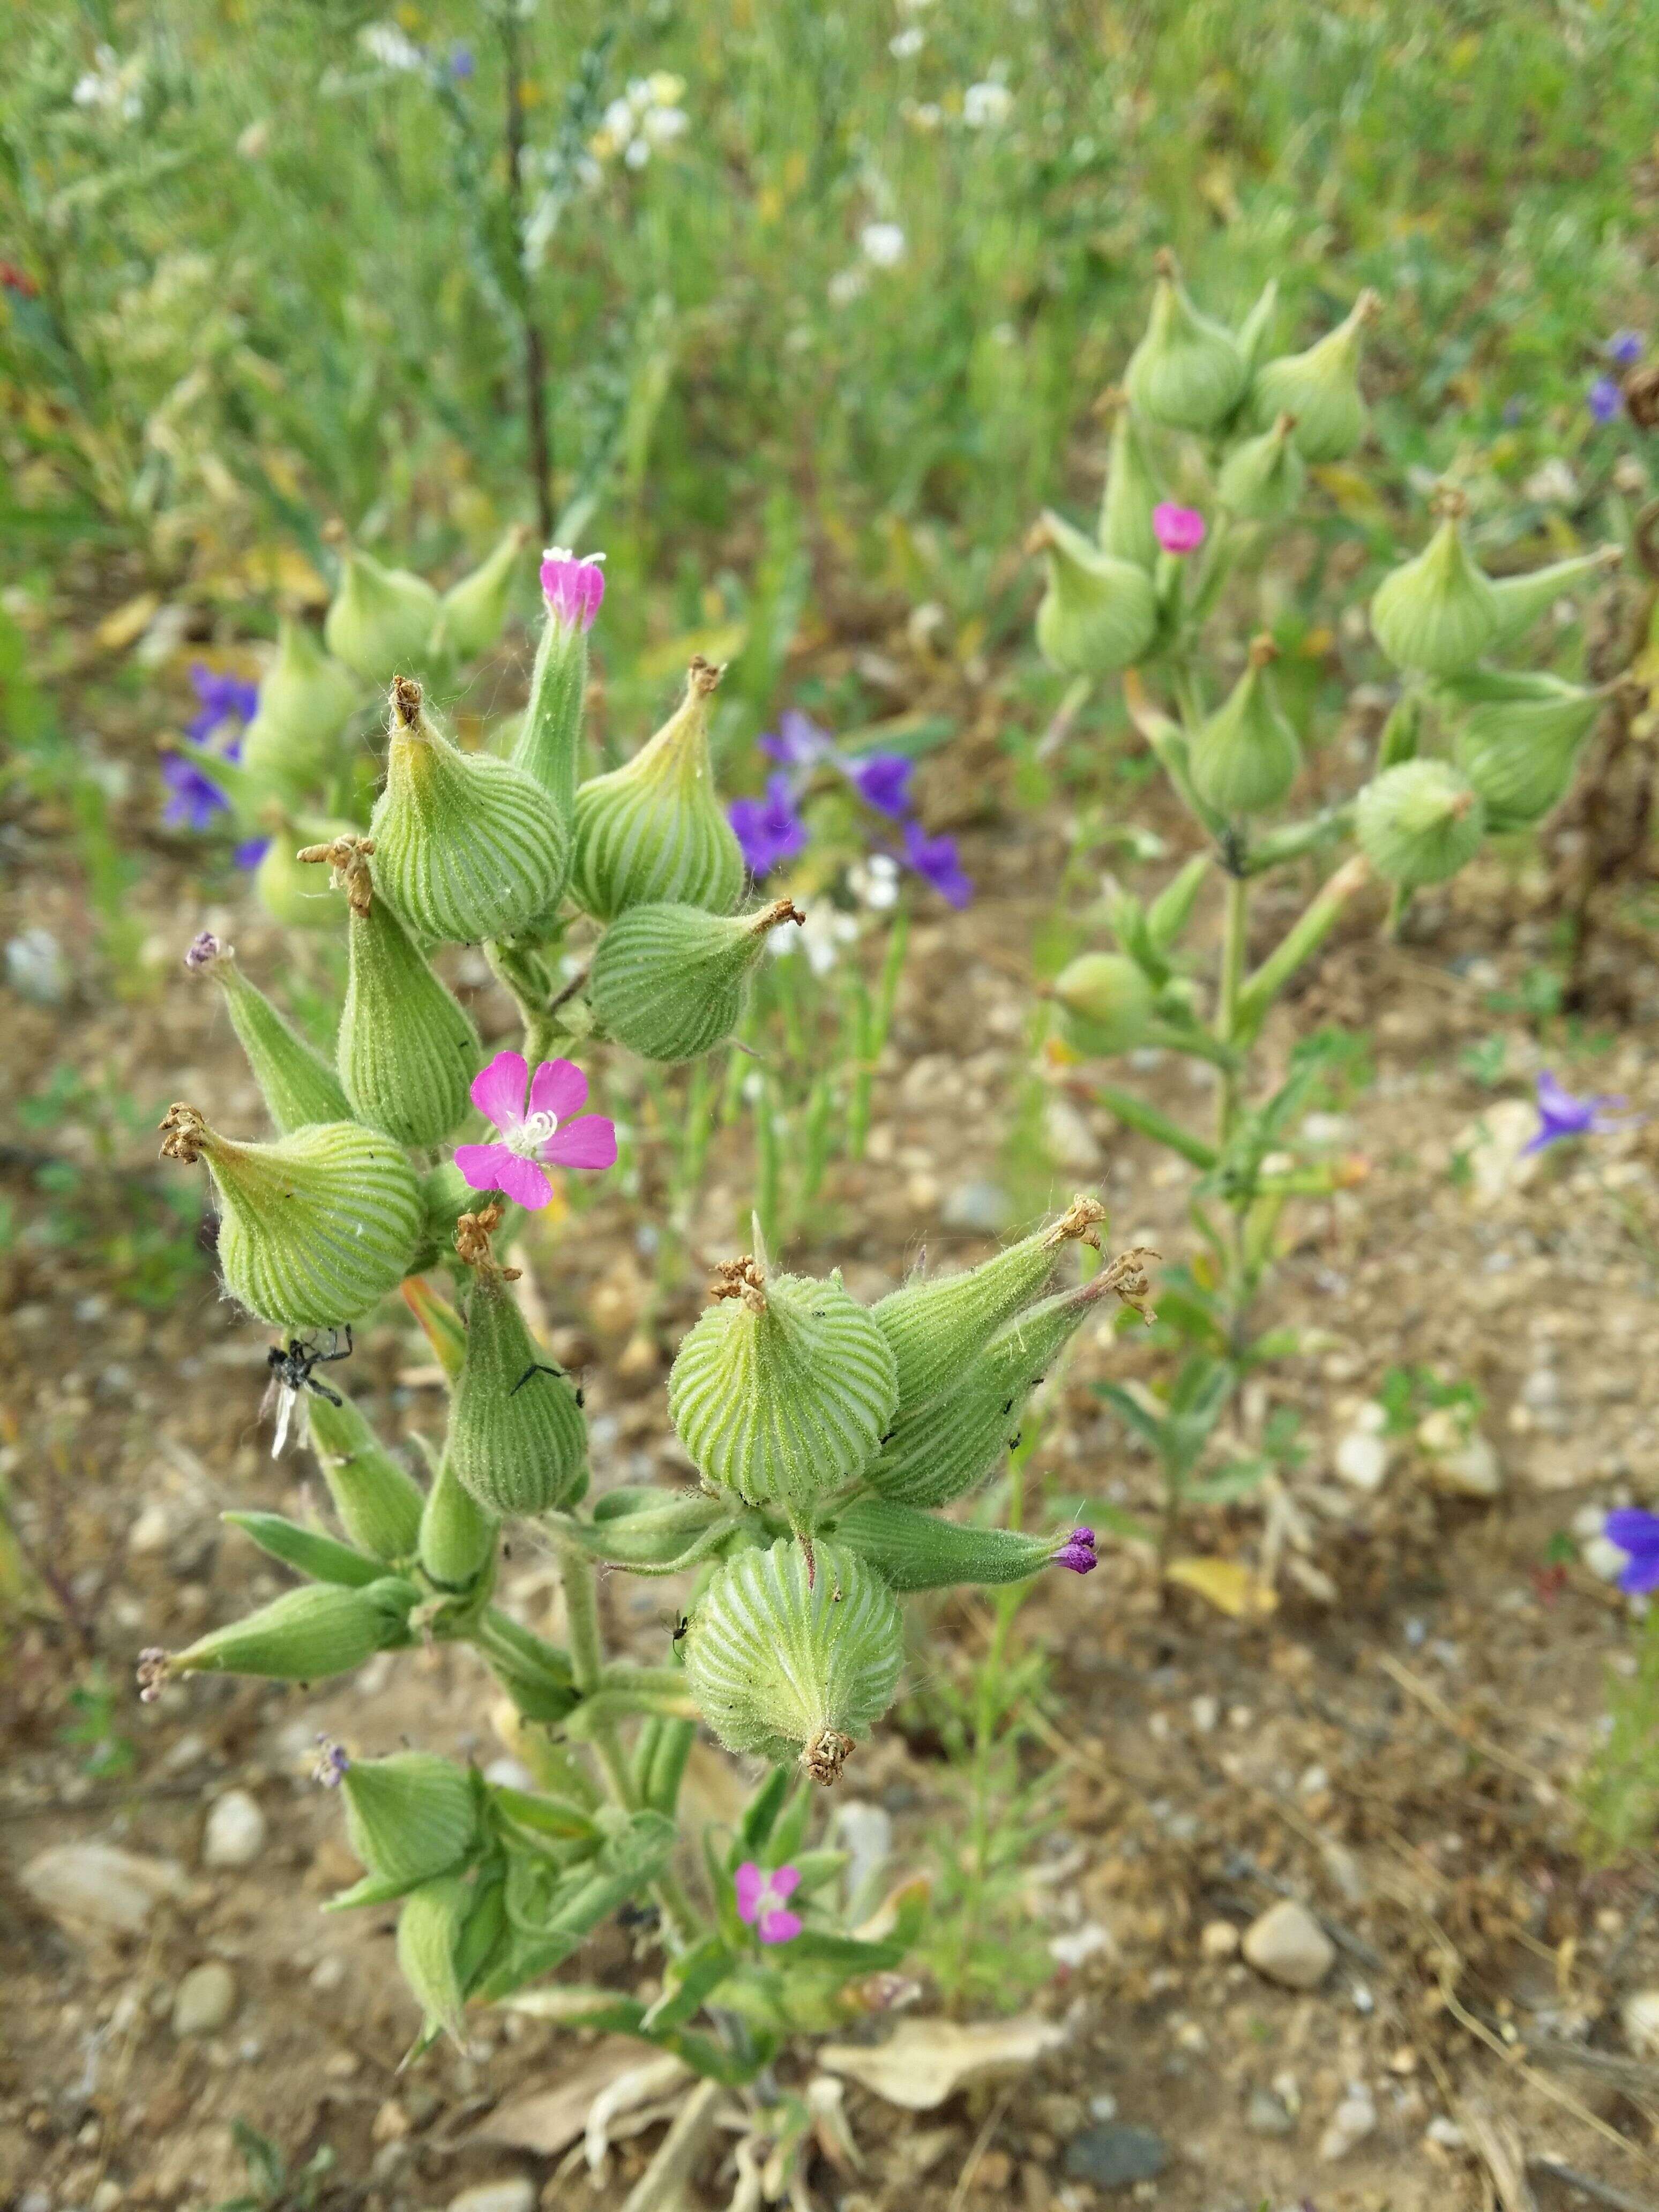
x=518 y=1443
x=670 y=982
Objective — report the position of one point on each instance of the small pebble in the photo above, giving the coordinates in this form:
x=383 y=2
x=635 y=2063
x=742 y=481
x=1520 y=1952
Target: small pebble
x=1267 y=2115
x=513 y=2192
x=1113 y=2156
x=236 y=1831
x=1288 y=1946
x=1639 y=2017
x=985 y=1207
x=206 y=1999
x=1446 y=2132
x=1219 y=1940
x=1353 y=2119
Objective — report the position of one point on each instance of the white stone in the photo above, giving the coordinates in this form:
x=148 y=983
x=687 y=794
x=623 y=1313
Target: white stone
x=150 y=1531
x=1353 y=2119
x=1362 y=1459
x=235 y=1832
x=513 y=2192
x=1069 y=1141
x=1219 y=1940
x=1444 y=2132
x=1494 y=1147
x=1639 y=2017
x=1288 y=1946
x=95 y=1889
x=1459 y=1459
x=206 y=1999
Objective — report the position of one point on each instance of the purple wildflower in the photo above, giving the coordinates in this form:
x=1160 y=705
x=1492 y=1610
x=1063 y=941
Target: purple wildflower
x=332 y=1763
x=1077 y=1553
x=1624 y=347
x=882 y=780
x=204 y=950
x=1515 y=411
x=553 y=1131
x=1605 y=400
x=250 y=852
x=221 y=699
x=461 y=64
x=193 y=799
x=1177 y=529
x=573 y=585
x=1636 y=1533
x=764 y=1895
x=934 y=859
x=769 y=829
x=798 y=742
x=1560 y=1115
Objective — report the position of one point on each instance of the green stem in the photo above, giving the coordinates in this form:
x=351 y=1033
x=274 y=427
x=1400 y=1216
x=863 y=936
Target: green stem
x=1303 y=939
x=1135 y=1113
x=1235 y=939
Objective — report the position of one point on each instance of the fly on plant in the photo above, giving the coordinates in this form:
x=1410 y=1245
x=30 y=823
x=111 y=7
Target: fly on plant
x=293 y=1366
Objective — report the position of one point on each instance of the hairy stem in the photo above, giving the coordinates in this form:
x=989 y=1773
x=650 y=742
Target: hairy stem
x=1234 y=942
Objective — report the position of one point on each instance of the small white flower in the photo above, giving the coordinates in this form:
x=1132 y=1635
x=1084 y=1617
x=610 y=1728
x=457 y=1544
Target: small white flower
x=662 y=125
x=638 y=153
x=618 y=120
x=875 y=881
x=986 y=106
x=823 y=934
x=843 y=288
x=386 y=44
x=1552 y=484
x=114 y=85
x=906 y=43
x=664 y=88
x=922 y=114
x=882 y=245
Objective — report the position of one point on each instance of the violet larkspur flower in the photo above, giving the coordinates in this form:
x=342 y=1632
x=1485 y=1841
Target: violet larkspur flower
x=1637 y=1534
x=1177 y=529
x=1077 y=1553
x=883 y=782
x=1624 y=347
x=331 y=1765
x=1605 y=400
x=461 y=65
x=250 y=852
x=222 y=699
x=769 y=829
x=554 y=1133
x=764 y=1895
x=798 y=742
x=573 y=585
x=1560 y=1115
x=193 y=799
x=934 y=859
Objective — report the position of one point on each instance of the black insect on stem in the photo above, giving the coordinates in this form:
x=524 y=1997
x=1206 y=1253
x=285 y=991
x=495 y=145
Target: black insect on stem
x=291 y=1364
x=537 y=1367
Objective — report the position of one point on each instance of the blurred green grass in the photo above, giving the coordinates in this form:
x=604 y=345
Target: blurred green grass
x=272 y=273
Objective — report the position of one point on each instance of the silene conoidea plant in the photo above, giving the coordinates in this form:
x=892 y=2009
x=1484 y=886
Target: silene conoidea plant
x=828 y=1435
x=1159 y=595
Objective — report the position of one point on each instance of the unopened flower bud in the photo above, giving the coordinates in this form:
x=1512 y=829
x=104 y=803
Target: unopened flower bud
x=1263 y=479
x=1099 y=612
x=381 y=619
x=306 y=1635
x=1519 y=739
x=324 y=1558
x=379 y=1502
x=306 y=701
x=295 y=1082
x=1131 y=493
x=1523 y=599
x=517 y=1439
x=289 y=891
x=473 y=612
x=406 y=1051
x=786 y=1664
x=1107 y=1003
x=411 y=1817
x=550 y=740
x=937 y=1326
x=1319 y=388
x=466 y=846
x=915 y=1550
x=1246 y=756
x=317 y=1227
x=652 y=831
x=537 y=1676
x=1188 y=372
x=430 y=1931
x=783 y=1389
x=1420 y=822
x=669 y=982
x=1438 y=613
x=458 y=1534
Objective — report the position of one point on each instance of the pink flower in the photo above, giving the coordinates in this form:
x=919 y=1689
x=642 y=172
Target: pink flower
x=1177 y=529
x=555 y=1131
x=572 y=586
x=763 y=1896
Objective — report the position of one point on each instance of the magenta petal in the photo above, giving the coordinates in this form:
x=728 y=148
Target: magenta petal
x=498 y=1090
x=783 y=1882
x=748 y=1881
x=559 y=1088
x=482 y=1165
x=589 y=1141
x=779 y=1927
x=522 y=1179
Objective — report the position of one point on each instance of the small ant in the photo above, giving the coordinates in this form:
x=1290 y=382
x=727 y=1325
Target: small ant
x=536 y=1368
x=291 y=1367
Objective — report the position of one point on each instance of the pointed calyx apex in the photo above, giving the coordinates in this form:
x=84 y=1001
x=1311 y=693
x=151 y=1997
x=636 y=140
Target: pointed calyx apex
x=406 y=697
x=1262 y=650
x=1449 y=502
x=774 y=916
x=349 y=858
x=826 y=1755
x=472 y=1234
x=1165 y=263
x=1368 y=306
x=184 y=1134
x=1082 y=1219
x=744 y=1277
x=1039 y=538
x=1126 y=1277
x=703 y=676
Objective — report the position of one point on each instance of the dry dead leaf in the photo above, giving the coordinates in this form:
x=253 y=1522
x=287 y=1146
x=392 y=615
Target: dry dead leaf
x=117 y=630
x=611 y=2082
x=1227 y=1584
x=924 y=2062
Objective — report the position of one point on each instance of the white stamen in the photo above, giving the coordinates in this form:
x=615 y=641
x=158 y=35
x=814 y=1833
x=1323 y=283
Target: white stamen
x=532 y=1133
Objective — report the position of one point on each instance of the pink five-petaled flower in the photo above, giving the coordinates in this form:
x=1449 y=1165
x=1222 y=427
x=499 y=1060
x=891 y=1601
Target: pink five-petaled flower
x=554 y=1133
x=573 y=587
x=1177 y=529
x=763 y=1894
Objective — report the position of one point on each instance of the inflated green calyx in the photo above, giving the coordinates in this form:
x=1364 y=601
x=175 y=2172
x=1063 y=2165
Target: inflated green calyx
x=1438 y=613
x=1420 y=822
x=473 y=612
x=1319 y=388
x=1099 y=612
x=517 y=1439
x=1246 y=756
x=1131 y=493
x=653 y=831
x=305 y=703
x=378 y=1501
x=296 y=1083
x=1263 y=479
x=381 y=619
x=1518 y=740
x=1188 y=372
x=670 y=982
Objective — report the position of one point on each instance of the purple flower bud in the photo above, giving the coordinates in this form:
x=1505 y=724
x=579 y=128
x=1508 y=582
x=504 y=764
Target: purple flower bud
x=203 y=951
x=1077 y=1553
x=1624 y=347
x=934 y=859
x=769 y=829
x=882 y=781
x=573 y=585
x=332 y=1764
x=1606 y=401
x=193 y=799
x=798 y=742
